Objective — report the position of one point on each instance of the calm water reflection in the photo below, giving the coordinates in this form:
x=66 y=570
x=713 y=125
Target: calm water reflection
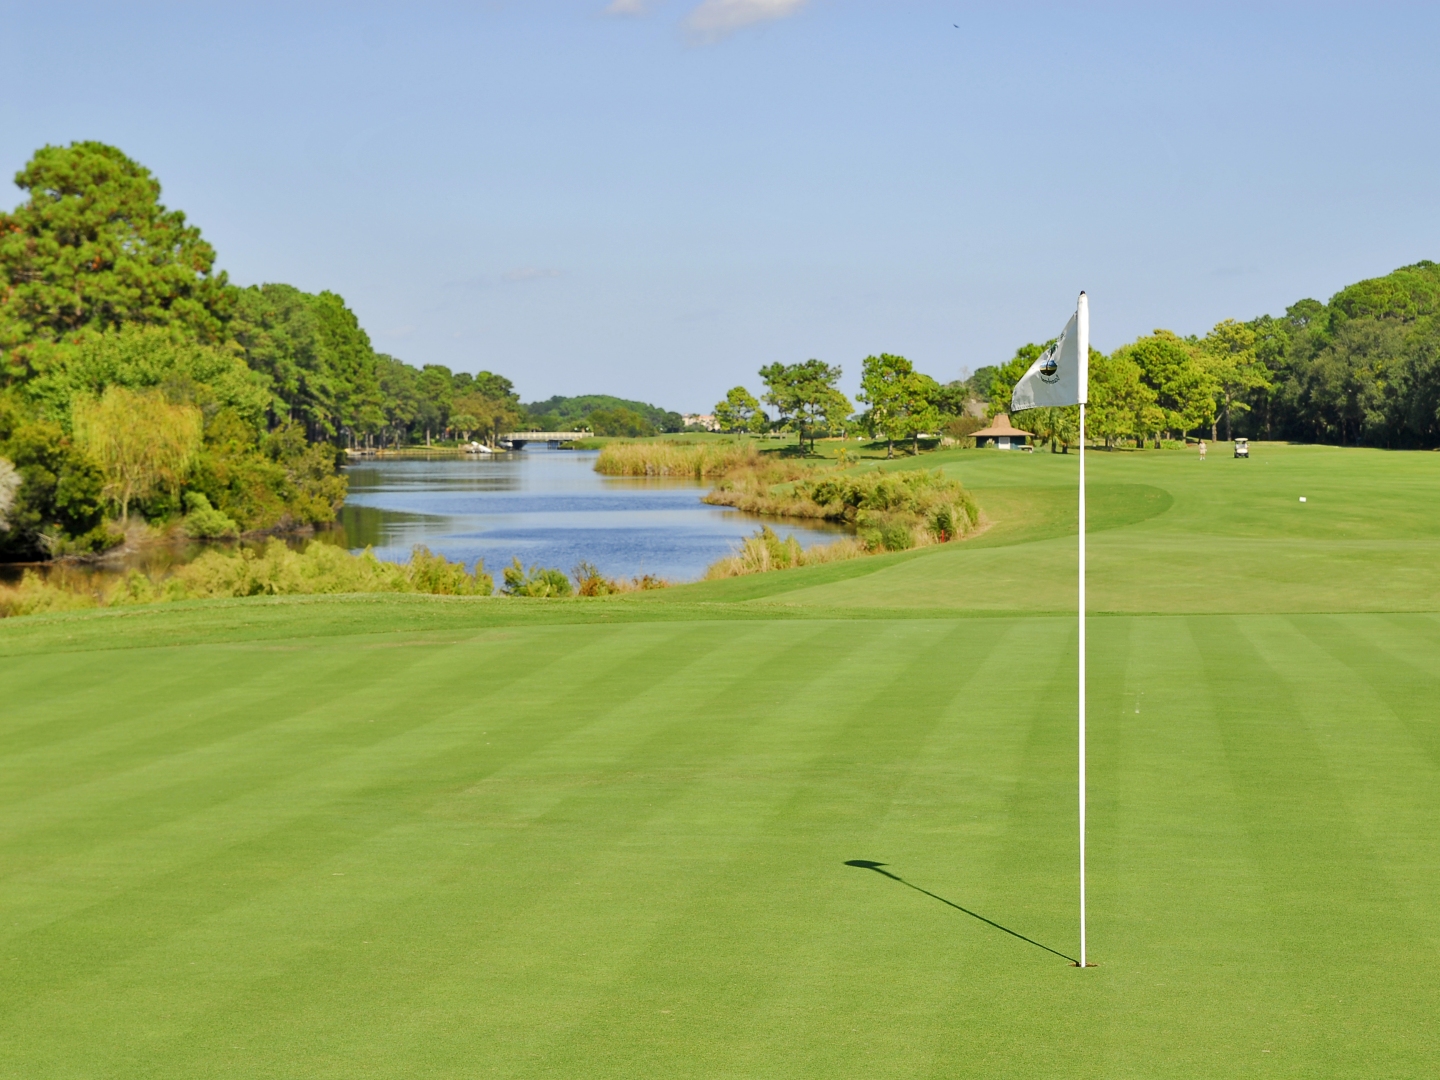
x=548 y=507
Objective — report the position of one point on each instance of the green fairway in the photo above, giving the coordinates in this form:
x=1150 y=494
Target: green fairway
x=439 y=837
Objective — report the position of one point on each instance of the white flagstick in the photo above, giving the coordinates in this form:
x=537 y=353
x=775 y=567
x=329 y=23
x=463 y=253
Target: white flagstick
x=1083 y=342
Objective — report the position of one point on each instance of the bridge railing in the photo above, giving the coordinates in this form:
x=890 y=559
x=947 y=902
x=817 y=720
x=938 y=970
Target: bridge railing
x=546 y=436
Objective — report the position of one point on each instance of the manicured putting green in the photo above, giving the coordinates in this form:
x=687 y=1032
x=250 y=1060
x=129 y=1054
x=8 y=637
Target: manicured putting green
x=408 y=838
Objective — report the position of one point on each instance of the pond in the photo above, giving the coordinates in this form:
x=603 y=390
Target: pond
x=549 y=508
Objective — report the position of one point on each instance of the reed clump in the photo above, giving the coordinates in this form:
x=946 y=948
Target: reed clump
x=765 y=551
x=699 y=461
x=275 y=570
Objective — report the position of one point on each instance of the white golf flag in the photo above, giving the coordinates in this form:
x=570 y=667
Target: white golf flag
x=1062 y=374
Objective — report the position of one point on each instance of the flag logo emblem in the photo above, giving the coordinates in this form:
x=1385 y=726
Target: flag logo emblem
x=1049 y=369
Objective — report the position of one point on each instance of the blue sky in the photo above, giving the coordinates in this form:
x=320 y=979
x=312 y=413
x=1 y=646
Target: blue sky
x=654 y=199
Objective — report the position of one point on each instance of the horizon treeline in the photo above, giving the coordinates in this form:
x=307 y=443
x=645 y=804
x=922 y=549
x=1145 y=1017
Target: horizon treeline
x=603 y=414
x=1362 y=369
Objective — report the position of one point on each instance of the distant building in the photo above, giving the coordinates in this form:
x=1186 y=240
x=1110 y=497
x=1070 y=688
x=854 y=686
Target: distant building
x=1002 y=433
x=705 y=420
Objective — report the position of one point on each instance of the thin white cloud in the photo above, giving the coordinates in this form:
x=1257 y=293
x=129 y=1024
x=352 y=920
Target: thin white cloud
x=714 y=19
x=629 y=7
x=528 y=273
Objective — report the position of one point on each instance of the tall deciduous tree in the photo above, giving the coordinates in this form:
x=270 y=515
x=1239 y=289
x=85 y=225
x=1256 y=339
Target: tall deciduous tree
x=398 y=387
x=1183 y=389
x=886 y=386
x=1121 y=403
x=922 y=413
x=436 y=398
x=93 y=248
x=806 y=394
x=489 y=415
x=1228 y=356
x=739 y=411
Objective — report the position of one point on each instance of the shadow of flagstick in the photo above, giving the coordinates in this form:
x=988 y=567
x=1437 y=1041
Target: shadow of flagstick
x=866 y=864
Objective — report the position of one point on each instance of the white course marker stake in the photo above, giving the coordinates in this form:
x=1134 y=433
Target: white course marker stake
x=1083 y=334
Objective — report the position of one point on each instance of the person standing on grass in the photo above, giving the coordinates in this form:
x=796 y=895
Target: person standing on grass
x=1202 y=449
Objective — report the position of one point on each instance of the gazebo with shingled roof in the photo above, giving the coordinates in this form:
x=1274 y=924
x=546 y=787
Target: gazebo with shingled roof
x=1005 y=434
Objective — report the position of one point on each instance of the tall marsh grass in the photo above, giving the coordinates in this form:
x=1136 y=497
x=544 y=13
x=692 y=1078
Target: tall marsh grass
x=697 y=460
x=765 y=551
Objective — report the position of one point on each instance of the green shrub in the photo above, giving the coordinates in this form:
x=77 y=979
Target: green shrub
x=537 y=581
x=133 y=588
x=431 y=573
x=36 y=594
x=320 y=568
x=204 y=522
x=886 y=532
x=590 y=582
x=269 y=481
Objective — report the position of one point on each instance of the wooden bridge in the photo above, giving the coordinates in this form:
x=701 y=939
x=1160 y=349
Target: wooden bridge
x=517 y=439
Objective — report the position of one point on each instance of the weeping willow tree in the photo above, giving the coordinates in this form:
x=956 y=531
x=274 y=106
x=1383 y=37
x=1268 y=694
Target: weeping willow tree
x=142 y=442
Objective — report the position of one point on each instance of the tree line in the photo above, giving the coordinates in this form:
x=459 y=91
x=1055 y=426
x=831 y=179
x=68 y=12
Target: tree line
x=1362 y=369
x=603 y=415
x=137 y=379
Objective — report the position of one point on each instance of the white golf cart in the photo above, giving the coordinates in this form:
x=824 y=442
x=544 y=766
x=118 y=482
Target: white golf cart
x=1242 y=448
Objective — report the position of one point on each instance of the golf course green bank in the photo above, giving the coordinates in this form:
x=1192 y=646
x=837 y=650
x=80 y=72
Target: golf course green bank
x=809 y=823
